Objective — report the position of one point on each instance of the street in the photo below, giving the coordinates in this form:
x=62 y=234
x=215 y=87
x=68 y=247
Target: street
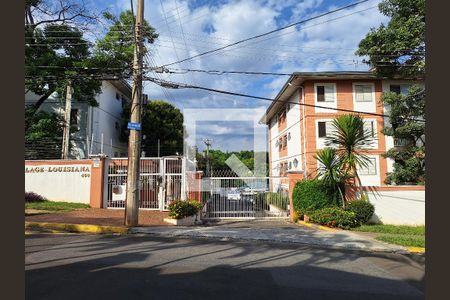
x=84 y=266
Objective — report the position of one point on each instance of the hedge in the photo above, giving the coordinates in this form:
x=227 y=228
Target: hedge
x=334 y=217
x=362 y=209
x=311 y=195
x=179 y=209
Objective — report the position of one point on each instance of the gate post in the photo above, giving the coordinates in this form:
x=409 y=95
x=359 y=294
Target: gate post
x=293 y=177
x=98 y=171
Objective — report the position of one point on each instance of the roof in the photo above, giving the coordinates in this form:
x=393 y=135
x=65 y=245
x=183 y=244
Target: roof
x=122 y=86
x=297 y=78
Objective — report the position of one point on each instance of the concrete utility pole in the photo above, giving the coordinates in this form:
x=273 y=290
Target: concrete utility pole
x=208 y=144
x=134 y=142
x=66 y=133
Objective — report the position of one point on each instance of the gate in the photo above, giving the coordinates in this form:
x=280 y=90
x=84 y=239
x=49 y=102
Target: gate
x=246 y=197
x=161 y=181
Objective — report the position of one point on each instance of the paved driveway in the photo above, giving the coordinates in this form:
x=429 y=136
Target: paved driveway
x=276 y=230
x=146 y=267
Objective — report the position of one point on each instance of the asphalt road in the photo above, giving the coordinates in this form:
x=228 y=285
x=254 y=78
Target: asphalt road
x=75 y=266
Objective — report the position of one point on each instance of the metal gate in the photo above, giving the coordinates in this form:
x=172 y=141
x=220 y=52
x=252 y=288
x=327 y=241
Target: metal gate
x=246 y=197
x=161 y=181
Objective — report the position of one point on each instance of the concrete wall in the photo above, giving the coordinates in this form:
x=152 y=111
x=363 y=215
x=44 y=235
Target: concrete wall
x=68 y=181
x=81 y=181
x=398 y=207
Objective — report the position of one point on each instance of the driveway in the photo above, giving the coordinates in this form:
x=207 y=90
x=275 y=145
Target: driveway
x=71 y=266
x=276 y=230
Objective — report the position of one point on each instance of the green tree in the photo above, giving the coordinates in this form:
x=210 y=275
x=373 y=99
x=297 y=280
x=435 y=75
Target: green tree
x=116 y=49
x=397 y=50
x=330 y=171
x=160 y=120
x=409 y=155
x=349 y=138
x=56 y=50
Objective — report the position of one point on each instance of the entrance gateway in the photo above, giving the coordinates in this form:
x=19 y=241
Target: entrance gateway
x=164 y=179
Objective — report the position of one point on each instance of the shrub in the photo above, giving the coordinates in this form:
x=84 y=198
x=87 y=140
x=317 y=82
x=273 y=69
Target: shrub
x=179 y=209
x=363 y=210
x=310 y=195
x=334 y=217
x=278 y=200
x=33 y=197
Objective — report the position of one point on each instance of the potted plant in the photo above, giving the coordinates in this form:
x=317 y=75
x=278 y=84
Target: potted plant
x=184 y=213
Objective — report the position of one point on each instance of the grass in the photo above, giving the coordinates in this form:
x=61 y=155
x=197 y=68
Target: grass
x=408 y=241
x=55 y=206
x=393 y=229
x=403 y=235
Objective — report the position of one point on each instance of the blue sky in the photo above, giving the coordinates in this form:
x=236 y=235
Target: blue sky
x=188 y=27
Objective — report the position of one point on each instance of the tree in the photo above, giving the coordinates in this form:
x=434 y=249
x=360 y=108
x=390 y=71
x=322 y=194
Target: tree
x=160 y=120
x=330 y=170
x=409 y=155
x=55 y=50
x=116 y=49
x=349 y=138
x=397 y=50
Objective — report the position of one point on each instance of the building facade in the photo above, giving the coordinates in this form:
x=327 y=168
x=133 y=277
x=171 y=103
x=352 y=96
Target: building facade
x=98 y=128
x=300 y=120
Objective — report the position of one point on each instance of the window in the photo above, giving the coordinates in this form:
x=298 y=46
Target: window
x=284 y=141
x=370 y=169
x=369 y=126
x=363 y=93
x=117 y=96
x=400 y=88
x=322 y=129
x=280 y=144
x=325 y=93
x=74 y=116
x=117 y=125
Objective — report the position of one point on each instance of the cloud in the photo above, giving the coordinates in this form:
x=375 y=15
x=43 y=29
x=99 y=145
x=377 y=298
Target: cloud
x=188 y=28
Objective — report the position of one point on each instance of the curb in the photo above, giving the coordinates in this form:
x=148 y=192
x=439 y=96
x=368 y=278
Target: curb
x=85 y=228
x=315 y=226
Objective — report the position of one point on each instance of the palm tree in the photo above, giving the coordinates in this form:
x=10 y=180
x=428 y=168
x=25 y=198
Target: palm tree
x=349 y=138
x=329 y=170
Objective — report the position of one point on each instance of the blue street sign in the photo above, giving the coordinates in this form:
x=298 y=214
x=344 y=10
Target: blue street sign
x=134 y=126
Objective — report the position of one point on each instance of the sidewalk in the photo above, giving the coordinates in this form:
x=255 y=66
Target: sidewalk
x=277 y=232
x=99 y=216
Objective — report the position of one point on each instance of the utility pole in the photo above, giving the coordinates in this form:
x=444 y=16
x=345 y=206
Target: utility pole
x=134 y=142
x=66 y=133
x=208 y=144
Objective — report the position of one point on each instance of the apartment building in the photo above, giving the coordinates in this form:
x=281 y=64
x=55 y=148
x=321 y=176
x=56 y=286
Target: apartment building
x=300 y=120
x=98 y=127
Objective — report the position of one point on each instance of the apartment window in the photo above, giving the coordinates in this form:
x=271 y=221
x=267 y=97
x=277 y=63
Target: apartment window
x=117 y=125
x=284 y=141
x=117 y=96
x=280 y=144
x=370 y=169
x=74 y=116
x=363 y=93
x=322 y=127
x=369 y=126
x=400 y=88
x=325 y=93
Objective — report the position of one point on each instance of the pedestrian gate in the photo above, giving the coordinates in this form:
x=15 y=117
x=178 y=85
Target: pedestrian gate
x=161 y=181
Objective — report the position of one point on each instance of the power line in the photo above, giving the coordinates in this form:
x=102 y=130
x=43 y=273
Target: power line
x=267 y=33
x=175 y=85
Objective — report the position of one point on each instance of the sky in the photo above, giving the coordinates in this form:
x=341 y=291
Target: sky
x=187 y=27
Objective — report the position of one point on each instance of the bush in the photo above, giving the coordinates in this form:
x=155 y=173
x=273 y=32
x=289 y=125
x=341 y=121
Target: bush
x=310 y=195
x=278 y=200
x=179 y=209
x=33 y=197
x=363 y=210
x=334 y=217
